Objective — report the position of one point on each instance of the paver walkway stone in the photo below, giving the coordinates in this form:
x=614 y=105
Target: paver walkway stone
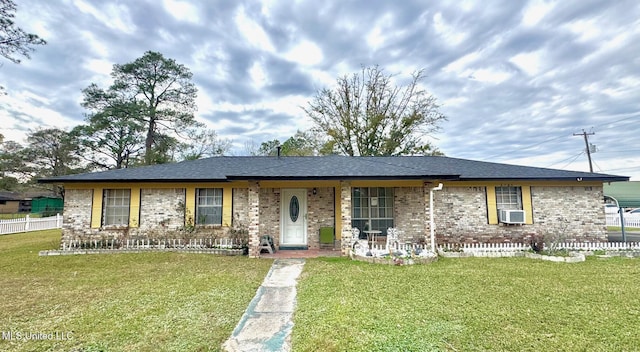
x=266 y=324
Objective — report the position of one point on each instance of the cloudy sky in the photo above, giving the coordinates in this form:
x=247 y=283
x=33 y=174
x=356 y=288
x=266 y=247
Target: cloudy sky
x=515 y=78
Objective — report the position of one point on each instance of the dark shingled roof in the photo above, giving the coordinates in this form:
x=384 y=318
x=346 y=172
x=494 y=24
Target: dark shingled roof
x=227 y=168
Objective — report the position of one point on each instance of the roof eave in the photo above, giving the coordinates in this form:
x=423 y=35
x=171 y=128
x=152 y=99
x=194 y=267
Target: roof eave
x=337 y=178
x=577 y=179
x=132 y=180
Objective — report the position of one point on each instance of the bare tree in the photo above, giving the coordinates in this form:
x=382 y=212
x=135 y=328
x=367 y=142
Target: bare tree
x=366 y=114
x=203 y=143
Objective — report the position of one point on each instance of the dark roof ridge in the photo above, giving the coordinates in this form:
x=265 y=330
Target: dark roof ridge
x=378 y=160
x=271 y=167
x=525 y=166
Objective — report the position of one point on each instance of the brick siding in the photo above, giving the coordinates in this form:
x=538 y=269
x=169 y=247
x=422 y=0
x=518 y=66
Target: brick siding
x=461 y=215
x=409 y=213
x=162 y=207
x=270 y=214
x=320 y=214
x=77 y=214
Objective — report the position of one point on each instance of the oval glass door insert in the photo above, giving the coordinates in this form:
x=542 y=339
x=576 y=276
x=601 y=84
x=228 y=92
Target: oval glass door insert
x=294 y=209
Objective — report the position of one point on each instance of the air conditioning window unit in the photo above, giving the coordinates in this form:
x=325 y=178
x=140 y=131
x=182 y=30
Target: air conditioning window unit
x=510 y=216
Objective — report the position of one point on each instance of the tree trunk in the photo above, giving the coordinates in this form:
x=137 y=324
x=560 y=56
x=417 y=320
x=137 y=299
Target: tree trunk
x=148 y=144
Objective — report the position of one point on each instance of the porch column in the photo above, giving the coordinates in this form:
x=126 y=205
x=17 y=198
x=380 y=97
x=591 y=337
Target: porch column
x=345 y=216
x=254 y=220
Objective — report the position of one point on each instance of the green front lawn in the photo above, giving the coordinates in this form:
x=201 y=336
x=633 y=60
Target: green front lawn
x=618 y=228
x=469 y=304
x=121 y=302
x=191 y=302
x=19 y=216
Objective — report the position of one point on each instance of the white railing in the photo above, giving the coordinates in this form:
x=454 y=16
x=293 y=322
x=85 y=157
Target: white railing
x=614 y=220
x=30 y=224
x=514 y=247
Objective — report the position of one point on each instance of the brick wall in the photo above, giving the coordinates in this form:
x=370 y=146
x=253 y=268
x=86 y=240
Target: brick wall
x=270 y=214
x=580 y=208
x=461 y=215
x=77 y=213
x=157 y=207
x=77 y=219
x=409 y=213
x=162 y=207
x=320 y=214
x=240 y=206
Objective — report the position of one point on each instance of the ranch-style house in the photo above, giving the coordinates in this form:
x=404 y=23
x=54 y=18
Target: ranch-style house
x=292 y=198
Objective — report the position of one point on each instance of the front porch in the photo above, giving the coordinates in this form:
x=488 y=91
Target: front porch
x=293 y=212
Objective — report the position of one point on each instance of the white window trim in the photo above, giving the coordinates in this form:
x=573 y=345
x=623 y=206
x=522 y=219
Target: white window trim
x=218 y=194
x=369 y=197
x=512 y=191
x=106 y=207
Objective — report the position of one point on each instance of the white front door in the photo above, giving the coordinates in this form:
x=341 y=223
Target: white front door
x=293 y=218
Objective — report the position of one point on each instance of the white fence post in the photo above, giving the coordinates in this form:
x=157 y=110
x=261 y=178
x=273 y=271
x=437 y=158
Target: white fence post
x=30 y=224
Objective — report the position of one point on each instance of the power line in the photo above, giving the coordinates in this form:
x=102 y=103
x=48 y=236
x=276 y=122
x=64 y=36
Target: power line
x=574 y=159
x=623 y=168
x=634 y=115
x=598 y=166
x=563 y=160
x=527 y=147
x=619 y=151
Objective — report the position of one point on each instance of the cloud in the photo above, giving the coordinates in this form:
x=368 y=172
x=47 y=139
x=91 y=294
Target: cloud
x=516 y=79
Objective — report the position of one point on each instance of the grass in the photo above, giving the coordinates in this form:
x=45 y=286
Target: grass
x=121 y=302
x=471 y=304
x=190 y=302
x=19 y=216
x=626 y=228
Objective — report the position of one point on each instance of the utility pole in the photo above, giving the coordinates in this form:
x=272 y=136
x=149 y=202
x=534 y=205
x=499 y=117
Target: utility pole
x=586 y=143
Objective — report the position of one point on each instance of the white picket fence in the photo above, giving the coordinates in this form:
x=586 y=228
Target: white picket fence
x=514 y=247
x=30 y=224
x=141 y=244
x=614 y=220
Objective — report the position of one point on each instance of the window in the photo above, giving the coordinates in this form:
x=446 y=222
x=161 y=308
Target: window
x=509 y=198
x=372 y=208
x=209 y=206
x=115 y=210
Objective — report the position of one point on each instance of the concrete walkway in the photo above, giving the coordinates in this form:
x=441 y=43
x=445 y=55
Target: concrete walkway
x=266 y=324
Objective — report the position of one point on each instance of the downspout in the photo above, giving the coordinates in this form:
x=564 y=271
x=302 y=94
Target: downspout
x=432 y=223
